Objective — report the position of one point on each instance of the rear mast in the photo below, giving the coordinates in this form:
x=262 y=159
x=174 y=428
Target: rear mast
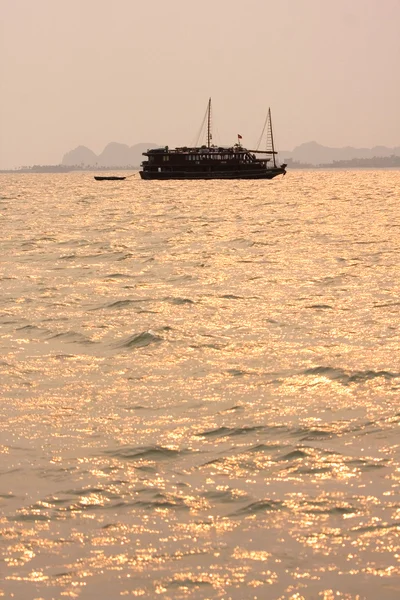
x=271 y=135
x=209 y=135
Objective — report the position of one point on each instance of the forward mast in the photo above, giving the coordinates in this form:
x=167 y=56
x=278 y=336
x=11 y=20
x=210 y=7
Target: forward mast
x=209 y=134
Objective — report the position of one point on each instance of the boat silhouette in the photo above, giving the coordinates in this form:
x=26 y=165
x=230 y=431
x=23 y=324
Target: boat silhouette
x=214 y=162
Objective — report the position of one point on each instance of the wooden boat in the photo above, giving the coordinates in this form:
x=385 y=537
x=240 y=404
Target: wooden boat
x=214 y=162
x=108 y=178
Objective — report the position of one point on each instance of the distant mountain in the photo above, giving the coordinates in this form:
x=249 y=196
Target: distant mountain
x=310 y=153
x=81 y=155
x=315 y=154
x=113 y=155
x=378 y=162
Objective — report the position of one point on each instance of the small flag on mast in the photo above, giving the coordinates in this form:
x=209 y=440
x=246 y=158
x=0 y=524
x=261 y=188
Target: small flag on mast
x=239 y=136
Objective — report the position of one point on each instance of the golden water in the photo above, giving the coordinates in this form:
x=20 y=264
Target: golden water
x=200 y=387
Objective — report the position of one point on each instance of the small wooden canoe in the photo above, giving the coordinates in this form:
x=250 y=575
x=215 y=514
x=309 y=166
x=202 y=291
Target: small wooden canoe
x=108 y=178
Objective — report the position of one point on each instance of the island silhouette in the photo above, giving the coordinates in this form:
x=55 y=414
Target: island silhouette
x=307 y=155
x=310 y=155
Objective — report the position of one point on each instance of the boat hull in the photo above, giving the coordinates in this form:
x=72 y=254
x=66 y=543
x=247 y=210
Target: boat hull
x=111 y=178
x=268 y=174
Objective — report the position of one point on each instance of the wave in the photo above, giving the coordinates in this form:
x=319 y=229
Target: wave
x=72 y=337
x=29 y=517
x=337 y=374
x=162 y=501
x=120 y=304
x=73 y=242
x=222 y=496
x=238 y=372
x=82 y=492
x=230 y=432
x=146 y=453
x=314 y=434
x=386 y=305
x=367 y=465
x=378 y=527
x=294 y=455
x=321 y=306
x=188 y=583
x=325 y=508
x=260 y=506
x=179 y=301
x=367 y=375
x=231 y=409
x=140 y=340
x=33 y=330
x=266 y=447
x=125 y=256
x=118 y=276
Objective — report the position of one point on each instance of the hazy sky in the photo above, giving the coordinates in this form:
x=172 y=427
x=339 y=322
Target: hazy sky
x=94 y=71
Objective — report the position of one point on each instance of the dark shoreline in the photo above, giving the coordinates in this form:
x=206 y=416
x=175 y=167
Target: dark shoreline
x=390 y=162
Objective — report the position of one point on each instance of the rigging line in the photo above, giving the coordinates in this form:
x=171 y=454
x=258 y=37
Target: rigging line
x=216 y=135
x=262 y=133
x=202 y=128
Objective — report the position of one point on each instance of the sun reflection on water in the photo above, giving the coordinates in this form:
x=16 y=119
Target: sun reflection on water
x=200 y=388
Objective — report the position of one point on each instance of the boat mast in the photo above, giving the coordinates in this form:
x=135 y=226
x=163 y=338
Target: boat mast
x=209 y=136
x=271 y=134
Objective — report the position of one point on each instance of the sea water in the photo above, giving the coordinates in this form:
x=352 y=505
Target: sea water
x=200 y=387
